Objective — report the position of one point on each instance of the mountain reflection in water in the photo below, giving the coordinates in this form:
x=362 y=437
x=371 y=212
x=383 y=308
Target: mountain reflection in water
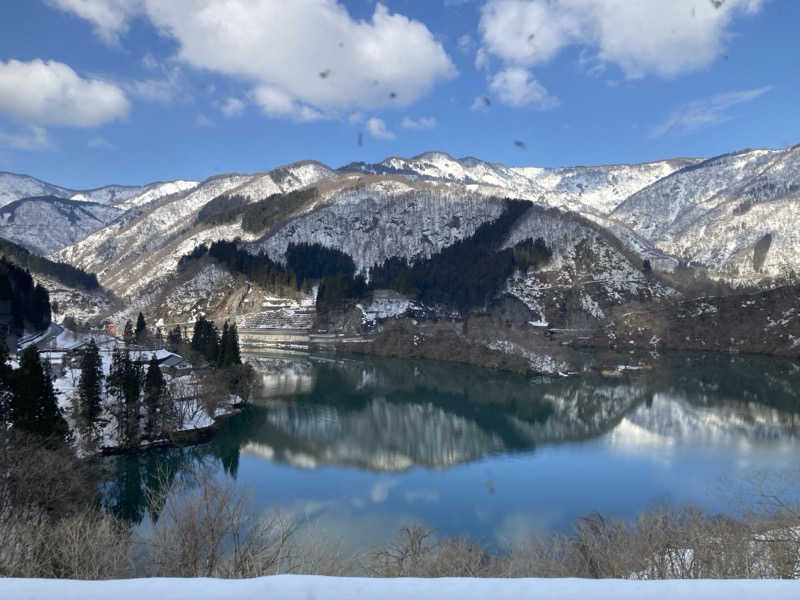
x=391 y=415
x=472 y=450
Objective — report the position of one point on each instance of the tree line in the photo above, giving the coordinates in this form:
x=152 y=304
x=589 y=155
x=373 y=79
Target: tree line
x=134 y=393
x=29 y=302
x=255 y=217
x=462 y=276
x=63 y=273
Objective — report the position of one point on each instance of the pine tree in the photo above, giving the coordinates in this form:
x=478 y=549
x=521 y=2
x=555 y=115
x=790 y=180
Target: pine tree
x=155 y=389
x=235 y=352
x=34 y=407
x=174 y=337
x=141 y=329
x=128 y=333
x=224 y=348
x=205 y=339
x=124 y=383
x=90 y=385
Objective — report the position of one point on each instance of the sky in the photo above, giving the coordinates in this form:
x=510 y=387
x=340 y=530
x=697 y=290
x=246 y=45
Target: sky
x=94 y=92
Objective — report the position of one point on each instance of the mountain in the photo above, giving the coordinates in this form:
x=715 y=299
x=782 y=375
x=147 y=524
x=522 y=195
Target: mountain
x=736 y=214
x=45 y=224
x=439 y=257
x=45 y=217
x=133 y=251
x=15 y=187
x=597 y=190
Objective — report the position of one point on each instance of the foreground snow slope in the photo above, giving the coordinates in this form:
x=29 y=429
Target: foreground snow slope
x=305 y=587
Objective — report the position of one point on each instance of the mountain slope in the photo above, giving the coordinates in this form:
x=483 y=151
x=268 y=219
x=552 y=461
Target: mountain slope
x=737 y=215
x=47 y=223
x=139 y=248
x=593 y=189
x=15 y=187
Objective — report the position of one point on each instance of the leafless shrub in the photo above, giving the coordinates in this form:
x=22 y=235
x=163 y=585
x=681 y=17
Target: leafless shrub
x=87 y=545
x=206 y=530
x=416 y=552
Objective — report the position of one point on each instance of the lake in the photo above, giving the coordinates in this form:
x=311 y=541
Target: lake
x=361 y=446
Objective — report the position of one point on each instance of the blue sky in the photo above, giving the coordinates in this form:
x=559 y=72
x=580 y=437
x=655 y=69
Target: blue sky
x=131 y=91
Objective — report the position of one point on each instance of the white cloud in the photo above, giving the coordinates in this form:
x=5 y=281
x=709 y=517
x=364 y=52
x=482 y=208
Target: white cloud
x=421 y=123
x=663 y=38
x=281 y=48
x=377 y=128
x=277 y=103
x=99 y=142
x=356 y=118
x=481 y=59
x=51 y=92
x=516 y=87
x=702 y=113
x=35 y=138
x=109 y=17
x=232 y=107
x=465 y=43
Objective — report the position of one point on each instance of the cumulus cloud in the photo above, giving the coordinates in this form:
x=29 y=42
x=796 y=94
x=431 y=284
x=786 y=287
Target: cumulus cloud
x=665 y=39
x=35 y=138
x=109 y=17
x=642 y=38
x=421 y=123
x=277 y=103
x=377 y=128
x=709 y=111
x=51 y=92
x=516 y=87
x=232 y=107
x=283 y=48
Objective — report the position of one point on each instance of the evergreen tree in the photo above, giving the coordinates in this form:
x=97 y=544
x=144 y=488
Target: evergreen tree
x=155 y=390
x=41 y=307
x=224 y=348
x=141 y=329
x=124 y=383
x=235 y=352
x=90 y=385
x=128 y=335
x=34 y=407
x=174 y=337
x=205 y=339
x=229 y=353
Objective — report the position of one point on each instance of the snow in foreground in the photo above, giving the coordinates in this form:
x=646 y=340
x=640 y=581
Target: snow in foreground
x=306 y=587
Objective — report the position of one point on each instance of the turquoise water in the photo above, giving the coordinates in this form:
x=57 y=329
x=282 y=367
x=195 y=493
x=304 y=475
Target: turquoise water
x=360 y=446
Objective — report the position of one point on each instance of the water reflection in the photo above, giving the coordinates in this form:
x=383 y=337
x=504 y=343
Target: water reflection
x=375 y=423
x=392 y=415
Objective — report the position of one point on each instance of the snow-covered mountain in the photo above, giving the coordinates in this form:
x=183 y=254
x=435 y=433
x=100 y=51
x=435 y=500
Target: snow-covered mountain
x=734 y=216
x=139 y=248
x=45 y=224
x=596 y=190
x=17 y=187
x=737 y=214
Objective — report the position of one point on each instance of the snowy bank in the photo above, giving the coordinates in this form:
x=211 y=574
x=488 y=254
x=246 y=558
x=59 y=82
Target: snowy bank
x=305 y=587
